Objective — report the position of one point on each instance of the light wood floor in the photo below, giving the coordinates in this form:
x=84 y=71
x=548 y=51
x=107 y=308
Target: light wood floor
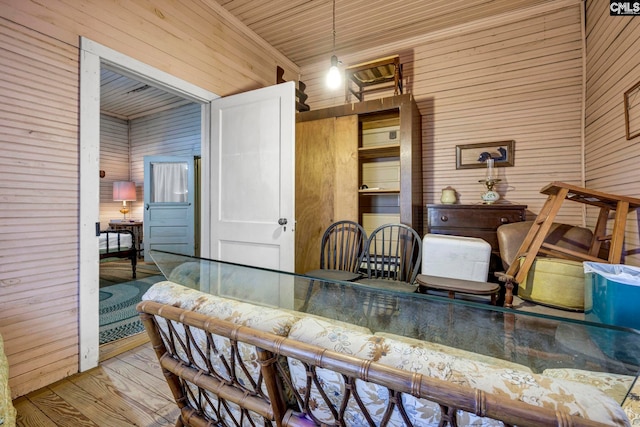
x=127 y=389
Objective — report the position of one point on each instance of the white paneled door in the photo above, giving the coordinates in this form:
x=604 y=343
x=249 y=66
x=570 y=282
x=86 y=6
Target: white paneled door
x=251 y=180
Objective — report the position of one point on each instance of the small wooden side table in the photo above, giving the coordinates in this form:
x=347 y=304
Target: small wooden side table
x=135 y=227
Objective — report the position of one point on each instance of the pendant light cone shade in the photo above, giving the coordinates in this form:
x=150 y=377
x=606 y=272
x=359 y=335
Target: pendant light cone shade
x=333 y=78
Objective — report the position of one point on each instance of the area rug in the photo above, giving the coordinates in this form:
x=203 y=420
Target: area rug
x=119 y=271
x=118 y=315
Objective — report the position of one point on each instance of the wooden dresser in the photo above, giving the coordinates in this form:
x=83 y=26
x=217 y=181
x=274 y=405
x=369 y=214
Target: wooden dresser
x=475 y=221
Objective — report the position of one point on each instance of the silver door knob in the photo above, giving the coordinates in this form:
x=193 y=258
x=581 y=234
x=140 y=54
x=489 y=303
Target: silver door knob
x=282 y=221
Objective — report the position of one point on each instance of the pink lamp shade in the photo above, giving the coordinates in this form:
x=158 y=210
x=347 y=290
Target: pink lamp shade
x=124 y=191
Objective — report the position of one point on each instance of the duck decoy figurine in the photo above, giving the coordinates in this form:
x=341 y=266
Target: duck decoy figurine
x=485 y=155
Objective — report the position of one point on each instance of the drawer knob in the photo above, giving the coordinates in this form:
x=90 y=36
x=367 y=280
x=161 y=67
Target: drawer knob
x=504 y=220
x=444 y=218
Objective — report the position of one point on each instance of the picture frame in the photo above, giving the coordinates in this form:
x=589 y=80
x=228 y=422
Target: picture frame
x=632 y=111
x=470 y=156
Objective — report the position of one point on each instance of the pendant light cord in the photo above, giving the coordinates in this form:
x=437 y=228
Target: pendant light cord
x=334 y=27
x=333 y=77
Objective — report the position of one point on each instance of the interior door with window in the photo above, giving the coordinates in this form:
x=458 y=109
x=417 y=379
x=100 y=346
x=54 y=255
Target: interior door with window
x=251 y=178
x=169 y=191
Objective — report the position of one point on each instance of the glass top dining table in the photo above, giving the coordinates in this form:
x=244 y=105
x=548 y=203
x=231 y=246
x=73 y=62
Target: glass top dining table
x=538 y=341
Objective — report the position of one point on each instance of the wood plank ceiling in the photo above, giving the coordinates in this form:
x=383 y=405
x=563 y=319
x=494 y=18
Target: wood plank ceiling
x=128 y=99
x=302 y=29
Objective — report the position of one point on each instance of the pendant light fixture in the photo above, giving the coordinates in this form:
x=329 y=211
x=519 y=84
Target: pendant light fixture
x=333 y=78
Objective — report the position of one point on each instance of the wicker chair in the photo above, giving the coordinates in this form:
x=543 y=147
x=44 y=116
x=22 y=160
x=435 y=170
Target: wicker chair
x=554 y=279
x=233 y=374
x=213 y=383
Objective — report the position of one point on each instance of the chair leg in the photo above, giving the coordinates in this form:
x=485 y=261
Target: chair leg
x=617 y=235
x=308 y=296
x=508 y=287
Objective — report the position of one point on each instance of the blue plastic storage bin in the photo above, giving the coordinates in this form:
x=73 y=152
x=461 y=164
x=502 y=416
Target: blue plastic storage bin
x=612 y=294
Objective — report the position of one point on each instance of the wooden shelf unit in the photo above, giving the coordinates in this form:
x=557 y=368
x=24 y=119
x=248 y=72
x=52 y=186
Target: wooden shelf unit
x=378 y=190
x=329 y=169
x=392 y=150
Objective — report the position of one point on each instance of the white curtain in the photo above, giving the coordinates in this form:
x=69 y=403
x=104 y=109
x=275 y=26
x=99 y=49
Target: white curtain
x=169 y=182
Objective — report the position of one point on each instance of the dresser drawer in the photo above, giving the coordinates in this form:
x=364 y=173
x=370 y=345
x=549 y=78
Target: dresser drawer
x=443 y=217
x=473 y=220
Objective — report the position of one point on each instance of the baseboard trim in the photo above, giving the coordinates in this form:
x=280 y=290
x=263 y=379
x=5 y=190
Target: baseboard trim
x=114 y=348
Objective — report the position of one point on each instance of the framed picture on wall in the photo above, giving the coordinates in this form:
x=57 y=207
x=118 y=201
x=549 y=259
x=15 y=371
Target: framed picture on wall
x=475 y=155
x=632 y=111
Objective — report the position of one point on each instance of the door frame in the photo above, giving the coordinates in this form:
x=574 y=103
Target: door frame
x=92 y=57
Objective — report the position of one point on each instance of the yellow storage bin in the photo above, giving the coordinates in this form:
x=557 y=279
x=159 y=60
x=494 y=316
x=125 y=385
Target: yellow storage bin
x=554 y=282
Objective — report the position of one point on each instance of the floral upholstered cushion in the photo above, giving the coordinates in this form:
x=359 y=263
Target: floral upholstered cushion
x=538 y=390
x=262 y=318
x=493 y=361
x=614 y=385
x=631 y=404
x=7 y=411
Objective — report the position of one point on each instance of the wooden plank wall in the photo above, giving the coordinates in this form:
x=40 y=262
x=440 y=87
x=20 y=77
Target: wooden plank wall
x=124 y=143
x=114 y=161
x=39 y=206
x=195 y=40
x=518 y=76
x=613 y=66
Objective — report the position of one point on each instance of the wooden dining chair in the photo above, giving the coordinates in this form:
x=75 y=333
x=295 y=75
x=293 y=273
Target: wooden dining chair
x=393 y=255
x=342 y=251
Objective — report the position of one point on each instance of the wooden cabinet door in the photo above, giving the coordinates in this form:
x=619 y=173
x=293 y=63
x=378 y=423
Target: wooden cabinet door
x=326 y=182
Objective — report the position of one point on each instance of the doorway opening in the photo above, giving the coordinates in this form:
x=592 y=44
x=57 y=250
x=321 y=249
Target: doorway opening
x=136 y=120
x=257 y=228
x=95 y=58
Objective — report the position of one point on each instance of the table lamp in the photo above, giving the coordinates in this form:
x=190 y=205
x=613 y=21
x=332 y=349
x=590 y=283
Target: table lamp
x=124 y=191
x=490 y=196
